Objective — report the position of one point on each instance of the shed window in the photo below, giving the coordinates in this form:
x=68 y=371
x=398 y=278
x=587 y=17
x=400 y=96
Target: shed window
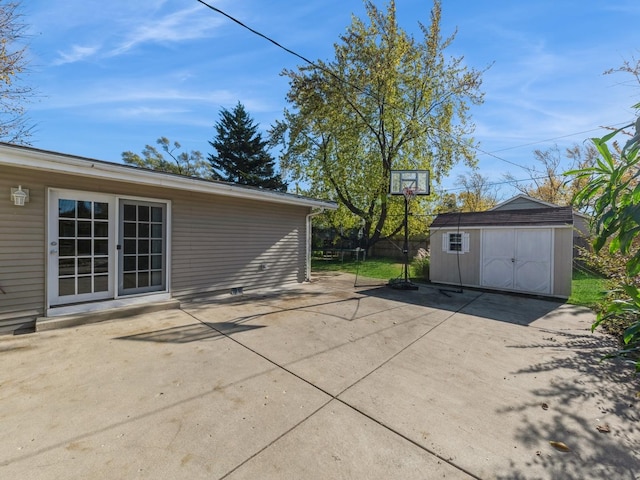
x=455 y=242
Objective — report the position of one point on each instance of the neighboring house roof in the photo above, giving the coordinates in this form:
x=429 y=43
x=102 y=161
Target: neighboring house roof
x=505 y=218
x=523 y=198
x=44 y=160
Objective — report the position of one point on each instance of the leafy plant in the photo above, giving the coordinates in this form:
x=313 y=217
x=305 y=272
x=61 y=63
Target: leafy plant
x=421 y=264
x=613 y=192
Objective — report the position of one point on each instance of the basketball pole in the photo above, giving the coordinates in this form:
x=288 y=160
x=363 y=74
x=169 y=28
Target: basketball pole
x=406 y=284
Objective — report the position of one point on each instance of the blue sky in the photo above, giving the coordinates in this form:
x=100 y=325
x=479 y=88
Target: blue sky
x=115 y=75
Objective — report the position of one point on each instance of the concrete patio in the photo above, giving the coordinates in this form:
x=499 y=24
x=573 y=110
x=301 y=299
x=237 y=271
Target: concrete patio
x=323 y=381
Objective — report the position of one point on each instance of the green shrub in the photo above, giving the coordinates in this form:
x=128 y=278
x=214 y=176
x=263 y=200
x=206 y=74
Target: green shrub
x=420 y=264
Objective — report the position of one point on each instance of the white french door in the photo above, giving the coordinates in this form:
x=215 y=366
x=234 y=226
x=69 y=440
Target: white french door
x=102 y=247
x=81 y=242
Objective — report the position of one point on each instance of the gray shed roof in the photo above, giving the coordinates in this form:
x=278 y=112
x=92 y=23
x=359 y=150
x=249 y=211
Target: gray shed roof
x=506 y=218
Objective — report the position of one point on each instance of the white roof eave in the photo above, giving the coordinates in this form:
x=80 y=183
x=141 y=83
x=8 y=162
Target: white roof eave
x=35 y=159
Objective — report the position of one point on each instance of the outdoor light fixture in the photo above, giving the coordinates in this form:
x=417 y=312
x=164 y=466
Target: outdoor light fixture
x=19 y=196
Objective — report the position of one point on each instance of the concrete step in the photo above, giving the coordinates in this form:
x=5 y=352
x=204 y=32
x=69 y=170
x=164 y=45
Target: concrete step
x=66 y=321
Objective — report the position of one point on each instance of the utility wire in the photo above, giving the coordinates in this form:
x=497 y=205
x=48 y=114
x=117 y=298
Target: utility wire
x=368 y=93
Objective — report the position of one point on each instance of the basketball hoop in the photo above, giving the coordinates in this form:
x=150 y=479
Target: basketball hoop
x=409 y=193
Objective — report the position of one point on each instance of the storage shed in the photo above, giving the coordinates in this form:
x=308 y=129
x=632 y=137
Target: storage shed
x=79 y=235
x=518 y=249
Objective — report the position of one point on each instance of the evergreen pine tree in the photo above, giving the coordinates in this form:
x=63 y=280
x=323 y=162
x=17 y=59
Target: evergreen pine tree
x=241 y=153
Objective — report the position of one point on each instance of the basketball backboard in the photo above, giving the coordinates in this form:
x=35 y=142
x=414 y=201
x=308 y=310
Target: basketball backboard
x=417 y=180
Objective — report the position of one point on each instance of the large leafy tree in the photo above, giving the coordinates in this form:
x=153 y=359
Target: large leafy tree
x=242 y=155
x=191 y=164
x=13 y=63
x=387 y=101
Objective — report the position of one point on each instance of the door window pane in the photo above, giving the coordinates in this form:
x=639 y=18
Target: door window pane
x=143 y=246
x=156 y=231
x=130 y=213
x=129 y=229
x=143 y=279
x=156 y=262
x=156 y=246
x=101 y=211
x=100 y=229
x=130 y=263
x=67 y=228
x=84 y=229
x=66 y=266
x=129 y=280
x=100 y=283
x=84 y=285
x=101 y=247
x=143 y=213
x=129 y=247
x=84 y=247
x=84 y=265
x=156 y=278
x=156 y=214
x=66 y=208
x=101 y=265
x=66 y=286
x=67 y=248
x=84 y=209
x=143 y=230
x=143 y=262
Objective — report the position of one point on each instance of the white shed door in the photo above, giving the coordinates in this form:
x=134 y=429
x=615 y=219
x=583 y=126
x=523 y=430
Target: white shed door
x=517 y=259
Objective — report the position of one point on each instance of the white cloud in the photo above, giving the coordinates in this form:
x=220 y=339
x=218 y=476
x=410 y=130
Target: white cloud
x=76 y=54
x=187 y=24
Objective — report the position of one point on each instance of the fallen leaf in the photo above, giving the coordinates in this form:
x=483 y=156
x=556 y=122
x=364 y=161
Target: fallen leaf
x=545 y=406
x=559 y=446
x=603 y=428
x=539 y=453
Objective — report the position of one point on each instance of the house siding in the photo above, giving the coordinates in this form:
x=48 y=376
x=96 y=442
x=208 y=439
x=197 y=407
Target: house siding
x=22 y=253
x=217 y=242
x=518 y=204
x=231 y=243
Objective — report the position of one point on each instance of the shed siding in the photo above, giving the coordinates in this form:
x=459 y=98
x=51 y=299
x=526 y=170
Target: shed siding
x=444 y=266
x=563 y=262
x=217 y=242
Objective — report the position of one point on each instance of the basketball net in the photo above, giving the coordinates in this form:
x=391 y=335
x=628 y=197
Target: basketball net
x=409 y=193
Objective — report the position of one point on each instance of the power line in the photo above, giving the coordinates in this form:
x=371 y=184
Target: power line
x=368 y=93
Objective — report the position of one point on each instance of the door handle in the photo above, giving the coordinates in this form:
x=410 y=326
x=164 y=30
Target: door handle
x=53 y=250
x=513 y=260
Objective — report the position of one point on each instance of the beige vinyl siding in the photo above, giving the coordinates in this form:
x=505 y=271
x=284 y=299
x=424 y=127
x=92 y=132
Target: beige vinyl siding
x=22 y=277
x=231 y=243
x=217 y=242
x=562 y=262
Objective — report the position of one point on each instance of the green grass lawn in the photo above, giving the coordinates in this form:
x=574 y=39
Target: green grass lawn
x=383 y=268
x=586 y=289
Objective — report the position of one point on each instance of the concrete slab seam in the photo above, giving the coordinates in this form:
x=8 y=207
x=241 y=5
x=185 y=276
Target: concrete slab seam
x=335 y=397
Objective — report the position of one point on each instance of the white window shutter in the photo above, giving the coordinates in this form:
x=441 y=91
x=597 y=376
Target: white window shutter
x=465 y=243
x=445 y=242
